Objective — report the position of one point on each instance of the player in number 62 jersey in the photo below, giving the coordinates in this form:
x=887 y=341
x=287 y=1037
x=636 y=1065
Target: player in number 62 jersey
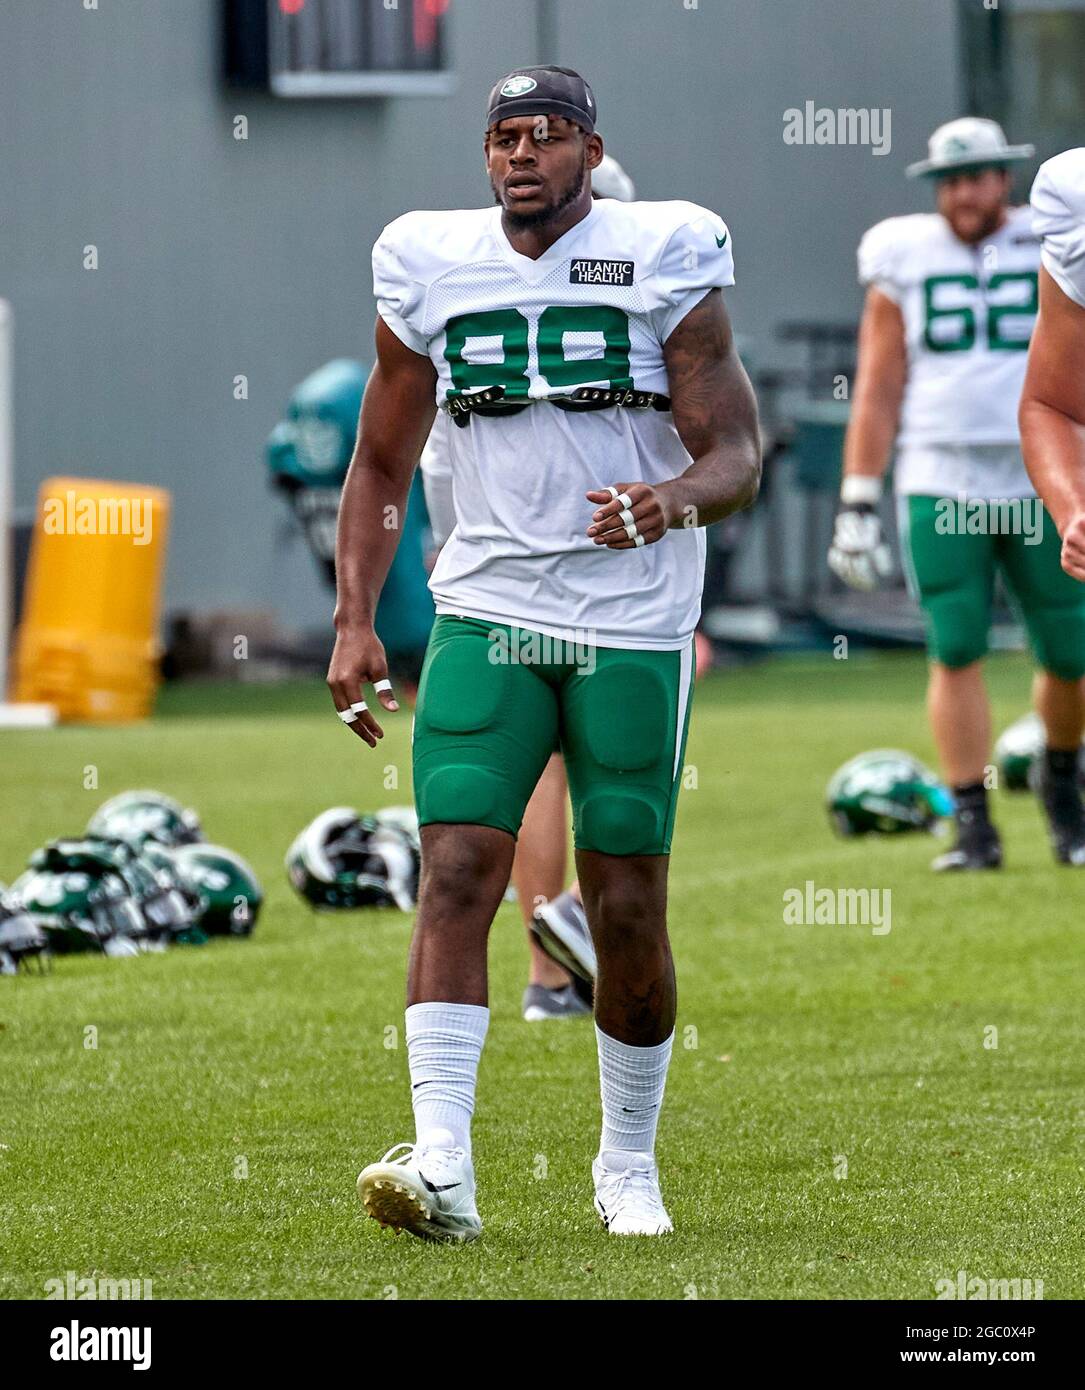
x=951 y=300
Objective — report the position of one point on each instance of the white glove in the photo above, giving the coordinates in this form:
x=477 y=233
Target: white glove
x=859 y=554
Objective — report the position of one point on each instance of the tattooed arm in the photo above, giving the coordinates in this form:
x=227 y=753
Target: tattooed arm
x=715 y=414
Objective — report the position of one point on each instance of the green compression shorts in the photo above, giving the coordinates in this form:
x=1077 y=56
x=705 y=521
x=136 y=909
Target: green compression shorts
x=494 y=702
x=951 y=553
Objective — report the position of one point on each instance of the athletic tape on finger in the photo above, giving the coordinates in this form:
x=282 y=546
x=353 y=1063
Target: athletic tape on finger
x=347 y=715
x=385 y=684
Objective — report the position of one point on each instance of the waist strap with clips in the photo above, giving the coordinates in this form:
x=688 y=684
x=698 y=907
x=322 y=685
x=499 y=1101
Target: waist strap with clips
x=491 y=402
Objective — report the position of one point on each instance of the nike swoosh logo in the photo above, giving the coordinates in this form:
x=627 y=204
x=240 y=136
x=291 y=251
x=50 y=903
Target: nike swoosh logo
x=644 y=1110
x=432 y=1187
x=721 y=240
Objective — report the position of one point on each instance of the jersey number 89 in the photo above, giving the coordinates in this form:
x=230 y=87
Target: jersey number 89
x=514 y=329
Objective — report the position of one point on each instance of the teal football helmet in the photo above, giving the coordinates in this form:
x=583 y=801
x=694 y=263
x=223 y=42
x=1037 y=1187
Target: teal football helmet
x=886 y=792
x=309 y=452
x=313 y=445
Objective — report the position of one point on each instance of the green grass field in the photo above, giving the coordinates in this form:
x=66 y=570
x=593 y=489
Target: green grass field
x=800 y=1049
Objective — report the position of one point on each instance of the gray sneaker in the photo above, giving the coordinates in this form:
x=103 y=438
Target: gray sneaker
x=541 y=1003
x=561 y=929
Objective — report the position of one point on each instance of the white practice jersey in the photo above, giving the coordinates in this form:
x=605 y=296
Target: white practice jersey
x=968 y=316
x=436 y=466
x=1058 y=218
x=594 y=310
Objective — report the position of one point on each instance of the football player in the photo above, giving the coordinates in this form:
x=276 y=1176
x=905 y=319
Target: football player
x=950 y=303
x=601 y=419
x=538 y=867
x=1053 y=402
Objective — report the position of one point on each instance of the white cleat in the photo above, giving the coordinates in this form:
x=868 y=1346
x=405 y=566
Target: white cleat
x=627 y=1195
x=428 y=1190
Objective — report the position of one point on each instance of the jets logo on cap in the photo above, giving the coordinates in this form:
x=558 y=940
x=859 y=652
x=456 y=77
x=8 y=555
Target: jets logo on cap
x=517 y=86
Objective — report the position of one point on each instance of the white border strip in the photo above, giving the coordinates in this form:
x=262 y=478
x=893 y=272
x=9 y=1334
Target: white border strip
x=362 y=84
x=685 y=681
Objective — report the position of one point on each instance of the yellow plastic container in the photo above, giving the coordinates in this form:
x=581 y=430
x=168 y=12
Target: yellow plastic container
x=88 y=639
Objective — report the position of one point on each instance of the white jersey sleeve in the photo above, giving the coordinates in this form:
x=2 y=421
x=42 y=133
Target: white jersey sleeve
x=695 y=258
x=879 y=259
x=400 y=297
x=1058 y=218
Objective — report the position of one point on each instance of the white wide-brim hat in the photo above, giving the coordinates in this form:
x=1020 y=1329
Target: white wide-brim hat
x=967 y=143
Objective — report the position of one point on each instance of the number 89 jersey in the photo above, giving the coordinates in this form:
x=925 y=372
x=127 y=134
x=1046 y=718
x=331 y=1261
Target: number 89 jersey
x=968 y=316
x=594 y=310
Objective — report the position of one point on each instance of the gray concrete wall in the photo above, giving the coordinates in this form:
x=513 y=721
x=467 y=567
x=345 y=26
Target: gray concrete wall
x=221 y=257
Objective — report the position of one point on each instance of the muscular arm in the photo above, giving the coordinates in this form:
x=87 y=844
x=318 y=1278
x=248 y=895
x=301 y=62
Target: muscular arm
x=1052 y=414
x=879 y=388
x=715 y=414
x=397 y=412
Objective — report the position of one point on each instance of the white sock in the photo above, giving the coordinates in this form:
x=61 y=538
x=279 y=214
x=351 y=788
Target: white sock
x=631 y=1082
x=444 y=1043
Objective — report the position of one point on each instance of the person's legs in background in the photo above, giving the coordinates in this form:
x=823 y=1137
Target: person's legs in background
x=1053 y=607
x=538 y=874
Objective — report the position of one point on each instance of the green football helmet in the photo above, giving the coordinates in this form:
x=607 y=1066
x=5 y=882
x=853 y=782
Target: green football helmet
x=886 y=791
x=173 y=905
x=1018 y=750
x=99 y=894
x=79 y=893
x=343 y=860
x=145 y=815
x=226 y=884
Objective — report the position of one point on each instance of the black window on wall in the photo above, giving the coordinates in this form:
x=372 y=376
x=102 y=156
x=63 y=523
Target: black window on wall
x=337 y=48
x=1024 y=65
